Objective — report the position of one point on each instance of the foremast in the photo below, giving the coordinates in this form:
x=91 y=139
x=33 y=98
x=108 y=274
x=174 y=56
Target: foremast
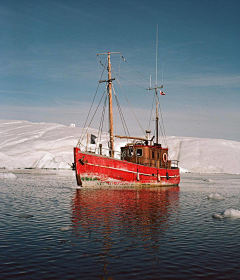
x=111 y=152
x=109 y=88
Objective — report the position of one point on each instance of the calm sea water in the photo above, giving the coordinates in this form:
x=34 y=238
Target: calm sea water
x=50 y=230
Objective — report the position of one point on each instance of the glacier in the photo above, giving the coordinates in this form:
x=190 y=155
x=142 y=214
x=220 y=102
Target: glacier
x=25 y=144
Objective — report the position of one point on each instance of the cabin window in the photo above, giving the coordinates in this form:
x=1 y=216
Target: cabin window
x=139 y=152
x=130 y=151
x=153 y=154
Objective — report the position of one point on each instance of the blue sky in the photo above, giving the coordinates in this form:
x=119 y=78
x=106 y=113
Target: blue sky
x=49 y=69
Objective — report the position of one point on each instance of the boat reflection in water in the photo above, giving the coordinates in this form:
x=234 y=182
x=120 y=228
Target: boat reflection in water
x=124 y=222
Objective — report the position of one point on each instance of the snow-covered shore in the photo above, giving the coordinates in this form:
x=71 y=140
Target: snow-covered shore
x=25 y=144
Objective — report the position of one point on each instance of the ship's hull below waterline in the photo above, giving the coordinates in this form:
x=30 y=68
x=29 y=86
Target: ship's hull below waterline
x=97 y=170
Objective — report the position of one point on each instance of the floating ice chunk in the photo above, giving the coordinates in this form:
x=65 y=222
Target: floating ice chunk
x=218 y=216
x=66 y=228
x=216 y=196
x=231 y=213
x=208 y=180
x=7 y=176
x=25 y=216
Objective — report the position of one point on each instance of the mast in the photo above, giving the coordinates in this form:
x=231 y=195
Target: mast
x=109 y=86
x=111 y=152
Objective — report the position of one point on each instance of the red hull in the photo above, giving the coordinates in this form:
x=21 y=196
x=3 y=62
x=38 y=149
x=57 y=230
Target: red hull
x=104 y=170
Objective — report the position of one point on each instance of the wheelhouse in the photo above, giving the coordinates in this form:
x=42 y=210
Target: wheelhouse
x=147 y=155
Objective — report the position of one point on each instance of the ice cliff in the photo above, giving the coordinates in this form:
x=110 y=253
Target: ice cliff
x=25 y=144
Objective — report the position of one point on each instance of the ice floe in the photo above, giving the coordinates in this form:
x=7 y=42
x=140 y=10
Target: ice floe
x=66 y=228
x=209 y=180
x=216 y=196
x=229 y=213
x=7 y=176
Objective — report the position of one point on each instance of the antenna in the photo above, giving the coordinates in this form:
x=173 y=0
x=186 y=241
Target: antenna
x=162 y=72
x=156 y=88
x=156 y=52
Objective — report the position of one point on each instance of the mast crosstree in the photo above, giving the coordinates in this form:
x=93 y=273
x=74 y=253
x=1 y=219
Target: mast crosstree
x=157 y=118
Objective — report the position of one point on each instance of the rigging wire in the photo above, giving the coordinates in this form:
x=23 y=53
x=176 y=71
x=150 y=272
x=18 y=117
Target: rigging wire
x=128 y=101
x=119 y=68
x=102 y=120
x=100 y=60
x=80 y=140
x=162 y=127
x=134 y=69
x=131 y=82
x=151 y=112
x=121 y=115
x=94 y=114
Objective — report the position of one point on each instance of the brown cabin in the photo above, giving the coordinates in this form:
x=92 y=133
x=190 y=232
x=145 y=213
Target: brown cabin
x=148 y=155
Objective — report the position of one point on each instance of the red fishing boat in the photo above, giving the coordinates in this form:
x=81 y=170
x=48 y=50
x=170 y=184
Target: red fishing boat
x=143 y=161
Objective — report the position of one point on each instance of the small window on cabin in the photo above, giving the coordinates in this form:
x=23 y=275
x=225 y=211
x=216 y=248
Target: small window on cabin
x=139 y=152
x=124 y=153
x=153 y=154
x=130 y=151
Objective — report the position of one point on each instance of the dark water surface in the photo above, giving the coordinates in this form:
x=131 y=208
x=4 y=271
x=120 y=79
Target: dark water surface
x=50 y=230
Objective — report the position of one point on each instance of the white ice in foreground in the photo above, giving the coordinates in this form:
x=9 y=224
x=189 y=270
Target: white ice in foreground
x=215 y=196
x=66 y=228
x=229 y=213
x=25 y=144
x=7 y=176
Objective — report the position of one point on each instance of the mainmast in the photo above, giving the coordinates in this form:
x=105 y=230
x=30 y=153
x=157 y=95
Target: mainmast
x=109 y=87
x=111 y=153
